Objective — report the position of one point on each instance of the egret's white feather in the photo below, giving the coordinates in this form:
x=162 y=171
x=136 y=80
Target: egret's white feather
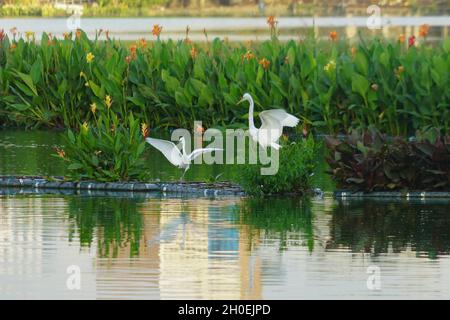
x=285 y=119
x=168 y=149
x=198 y=152
x=270 y=130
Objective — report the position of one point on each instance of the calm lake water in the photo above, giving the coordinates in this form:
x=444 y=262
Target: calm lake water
x=159 y=246
x=235 y=29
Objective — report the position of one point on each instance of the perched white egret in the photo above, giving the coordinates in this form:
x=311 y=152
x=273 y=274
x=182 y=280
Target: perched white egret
x=272 y=123
x=179 y=159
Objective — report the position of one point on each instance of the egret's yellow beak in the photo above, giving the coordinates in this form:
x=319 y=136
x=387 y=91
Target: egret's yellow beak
x=240 y=101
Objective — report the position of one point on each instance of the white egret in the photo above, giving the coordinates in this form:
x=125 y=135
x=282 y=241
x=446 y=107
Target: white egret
x=272 y=123
x=179 y=159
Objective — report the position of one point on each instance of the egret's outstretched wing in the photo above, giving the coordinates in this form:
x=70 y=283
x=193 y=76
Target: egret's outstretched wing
x=271 y=129
x=198 y=152
x=285 y=119
x=168 y=149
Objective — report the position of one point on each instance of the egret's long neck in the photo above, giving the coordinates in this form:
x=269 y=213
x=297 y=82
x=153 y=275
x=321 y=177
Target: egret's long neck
x=251 y=123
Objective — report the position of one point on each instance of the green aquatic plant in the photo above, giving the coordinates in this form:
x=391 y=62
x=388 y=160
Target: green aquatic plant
x=296 y=166
x=109 y=150
x=371 y=161
x=333 y=88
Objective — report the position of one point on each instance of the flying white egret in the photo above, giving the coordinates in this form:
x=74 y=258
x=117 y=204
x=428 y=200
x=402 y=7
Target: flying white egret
x=272 y=123
x=179 y=159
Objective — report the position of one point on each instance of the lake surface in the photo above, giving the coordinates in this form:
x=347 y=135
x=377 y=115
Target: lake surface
x=234 y=29
x=156 y=246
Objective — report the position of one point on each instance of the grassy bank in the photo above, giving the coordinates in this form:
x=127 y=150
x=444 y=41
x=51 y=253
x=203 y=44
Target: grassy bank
x=207 y=8
x=124 y=10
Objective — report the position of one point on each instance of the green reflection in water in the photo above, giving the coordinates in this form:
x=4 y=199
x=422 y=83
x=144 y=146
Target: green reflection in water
x=376 y=226
x=115 y=222
x=290 y=220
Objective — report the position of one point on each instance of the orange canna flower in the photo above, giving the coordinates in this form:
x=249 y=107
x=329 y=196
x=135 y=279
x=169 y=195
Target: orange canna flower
x=60 y=152
x=133 y=50
x=354 y=50
x=272 y=22
x=78 y=33
x=143 y=43
x=264 y=63
x=401 y=38
x=144 y=130
x=423 y=30
x=156 y=31
x=248 y=55
x=193 y=53
x=13 y=46
x=188 y=41
x=333 y=35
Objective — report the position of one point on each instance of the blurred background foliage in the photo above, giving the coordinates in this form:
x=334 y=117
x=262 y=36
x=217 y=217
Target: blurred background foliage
x=223 y=7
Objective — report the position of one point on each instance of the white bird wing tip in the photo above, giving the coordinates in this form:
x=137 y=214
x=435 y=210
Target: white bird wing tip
x=291 y=121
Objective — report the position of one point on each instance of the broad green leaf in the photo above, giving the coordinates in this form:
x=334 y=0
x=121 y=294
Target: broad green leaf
x=28 y=81
x=36 y=70
x=98 y=91
x=21 y=107
x=75 y=166
x=360 y=85
x=361 y=63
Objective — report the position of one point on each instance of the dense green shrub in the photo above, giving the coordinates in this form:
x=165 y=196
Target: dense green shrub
x=296 y=166
x=31 y=10
x=109 y=151
x=371 y=162
x=329 y=85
